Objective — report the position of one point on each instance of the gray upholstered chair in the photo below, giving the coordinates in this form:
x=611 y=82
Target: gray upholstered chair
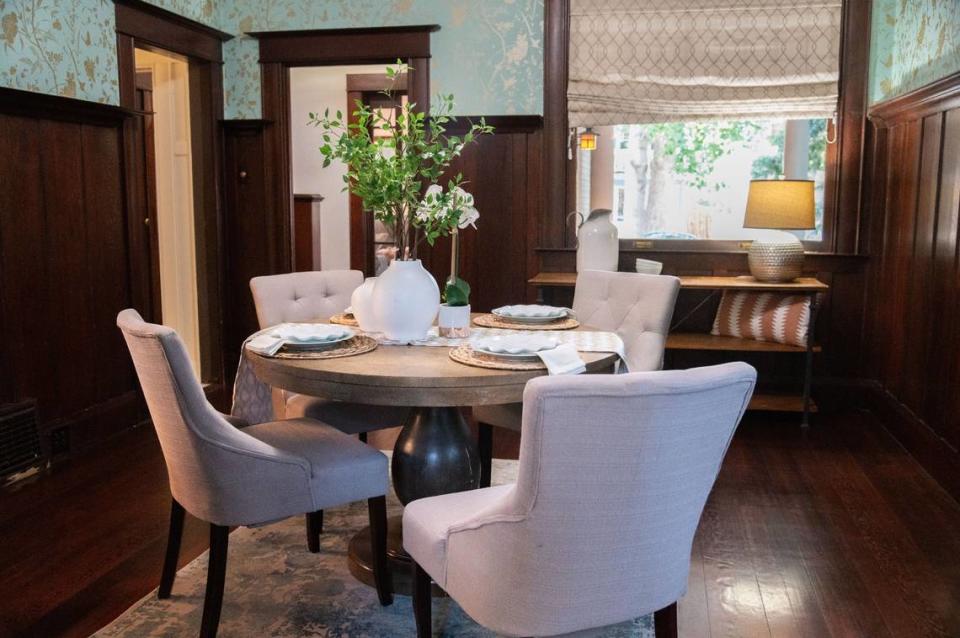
x=251 y=476
x=637 y=307
x=614 y=474
x=317 y=296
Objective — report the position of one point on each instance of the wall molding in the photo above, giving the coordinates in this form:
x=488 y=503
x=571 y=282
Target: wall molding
x=501 y=123
x=942 y=95
x=64 y=109
x=344 y=46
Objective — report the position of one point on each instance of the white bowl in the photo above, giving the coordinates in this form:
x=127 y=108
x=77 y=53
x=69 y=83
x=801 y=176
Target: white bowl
x=514 y=345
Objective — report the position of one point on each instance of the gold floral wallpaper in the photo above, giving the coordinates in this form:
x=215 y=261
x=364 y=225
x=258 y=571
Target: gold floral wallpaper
x=62 y=47
x=488 y=53
x=913 y=43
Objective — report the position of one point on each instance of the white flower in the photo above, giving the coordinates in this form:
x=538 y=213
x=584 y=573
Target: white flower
x=424 y=211
x=468 y=214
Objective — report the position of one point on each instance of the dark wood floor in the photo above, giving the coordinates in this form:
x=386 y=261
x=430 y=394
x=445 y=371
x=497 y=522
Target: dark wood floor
x=832 y=532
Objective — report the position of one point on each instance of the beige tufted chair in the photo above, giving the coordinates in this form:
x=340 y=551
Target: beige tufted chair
x=637 y=307
x=251 y=476
x=317 y=296
x=614 y=474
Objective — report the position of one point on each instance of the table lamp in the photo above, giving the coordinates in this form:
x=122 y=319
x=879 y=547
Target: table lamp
x=779 y=204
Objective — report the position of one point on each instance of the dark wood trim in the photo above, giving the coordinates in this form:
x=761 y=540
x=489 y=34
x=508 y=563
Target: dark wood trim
x=275 y=80
x=307 y=197
x=374 y=82
x=152 y=25
x=501 y=123
x=935 y=454
x=344 y=46
x=65 y=109
x=941 y=95
x=556 y=166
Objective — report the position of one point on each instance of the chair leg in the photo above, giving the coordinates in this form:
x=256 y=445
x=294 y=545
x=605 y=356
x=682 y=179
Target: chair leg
x=422 y=602
x=378 y=541
x=174 y=534
x=665 y=622
x=216 y=574
x=314 y=529
x=363 y=437
x=485 y=446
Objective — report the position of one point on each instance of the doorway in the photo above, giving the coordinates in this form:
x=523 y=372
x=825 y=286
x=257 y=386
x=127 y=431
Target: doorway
x=163 y=95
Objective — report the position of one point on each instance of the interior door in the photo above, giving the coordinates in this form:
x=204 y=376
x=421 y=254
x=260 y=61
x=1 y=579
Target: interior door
x=144 y=104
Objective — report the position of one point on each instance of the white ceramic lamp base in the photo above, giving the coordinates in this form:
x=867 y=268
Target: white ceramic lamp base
x=778 y=258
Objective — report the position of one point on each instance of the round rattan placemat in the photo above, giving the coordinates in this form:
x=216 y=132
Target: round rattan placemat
x=468 y=356
x=493 y=321
x=344 y=319
x=358 y=344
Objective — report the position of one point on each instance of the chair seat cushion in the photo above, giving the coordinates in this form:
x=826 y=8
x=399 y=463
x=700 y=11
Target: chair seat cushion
x=351 y=418
x=507 y=416
x=427 y=523
x=342 y=468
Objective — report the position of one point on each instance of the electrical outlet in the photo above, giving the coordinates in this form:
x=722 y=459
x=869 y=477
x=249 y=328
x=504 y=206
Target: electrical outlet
x=59 y=441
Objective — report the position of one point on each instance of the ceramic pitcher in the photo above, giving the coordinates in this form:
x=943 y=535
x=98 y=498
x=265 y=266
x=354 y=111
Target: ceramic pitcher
x=598 y=246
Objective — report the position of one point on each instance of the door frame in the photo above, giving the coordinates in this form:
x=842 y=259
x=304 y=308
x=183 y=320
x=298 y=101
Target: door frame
x=145 y=26
x=281 y=50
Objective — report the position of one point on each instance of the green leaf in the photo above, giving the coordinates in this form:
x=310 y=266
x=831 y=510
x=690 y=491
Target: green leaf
x=457 y=293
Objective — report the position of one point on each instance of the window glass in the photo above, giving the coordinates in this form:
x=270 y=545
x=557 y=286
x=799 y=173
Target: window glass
x=689 y=180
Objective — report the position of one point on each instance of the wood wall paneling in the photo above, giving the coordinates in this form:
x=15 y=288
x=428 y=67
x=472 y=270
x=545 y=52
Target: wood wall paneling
x=912 y=345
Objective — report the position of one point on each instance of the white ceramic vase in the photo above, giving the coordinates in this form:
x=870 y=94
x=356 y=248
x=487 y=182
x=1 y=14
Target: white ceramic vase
x=598 y=247
x=362 y=303
x=405 y=301
x=454 y=321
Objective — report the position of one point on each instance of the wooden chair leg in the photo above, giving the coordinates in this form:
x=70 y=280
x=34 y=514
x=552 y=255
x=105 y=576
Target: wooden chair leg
x=378 y=549
x=485 y=446
x=174 y=535
x=422 y=602
x=665 y=622
x=216 y=575
x=314 y=529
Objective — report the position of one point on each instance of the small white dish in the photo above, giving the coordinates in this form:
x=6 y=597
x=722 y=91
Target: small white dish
x=531 y=313
x=513 y=346
x=311 y=333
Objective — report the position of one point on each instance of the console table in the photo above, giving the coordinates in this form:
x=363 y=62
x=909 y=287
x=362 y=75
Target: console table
x=679 y=340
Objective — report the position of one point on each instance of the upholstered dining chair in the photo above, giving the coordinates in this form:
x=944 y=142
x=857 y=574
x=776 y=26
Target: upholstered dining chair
x=637 y=307
x=252 y=476
x=614 y=474
x=317 y=296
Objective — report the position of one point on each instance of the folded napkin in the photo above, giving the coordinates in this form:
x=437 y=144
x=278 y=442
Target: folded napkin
x=267 y=344
x=564 y=359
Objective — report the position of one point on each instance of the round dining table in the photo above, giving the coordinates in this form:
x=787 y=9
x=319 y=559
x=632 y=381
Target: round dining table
x=434 y=452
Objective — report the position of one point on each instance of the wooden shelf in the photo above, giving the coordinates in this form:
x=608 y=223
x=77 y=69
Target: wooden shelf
x=779 y=403
x=743 y=282
x=703 y=341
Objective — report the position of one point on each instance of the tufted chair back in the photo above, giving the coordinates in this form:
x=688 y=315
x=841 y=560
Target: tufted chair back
x=637 y=307
x=314 y=295
x=217 y=472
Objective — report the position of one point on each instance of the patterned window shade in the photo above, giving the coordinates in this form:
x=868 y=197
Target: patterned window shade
x=641 y=61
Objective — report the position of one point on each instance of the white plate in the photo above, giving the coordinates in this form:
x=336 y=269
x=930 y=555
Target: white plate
x=311 y=334
x=514 y=346
x=531 y=313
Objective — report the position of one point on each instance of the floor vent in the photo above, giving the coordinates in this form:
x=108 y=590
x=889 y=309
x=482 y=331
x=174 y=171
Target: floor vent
x=20 y=453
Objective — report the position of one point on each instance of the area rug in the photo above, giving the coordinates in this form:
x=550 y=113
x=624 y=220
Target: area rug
x=276 y=588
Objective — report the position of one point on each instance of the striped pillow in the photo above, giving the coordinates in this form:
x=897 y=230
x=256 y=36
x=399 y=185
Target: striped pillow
x=764 y=316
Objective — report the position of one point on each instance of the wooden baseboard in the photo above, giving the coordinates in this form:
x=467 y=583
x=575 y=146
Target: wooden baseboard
x=940 y=459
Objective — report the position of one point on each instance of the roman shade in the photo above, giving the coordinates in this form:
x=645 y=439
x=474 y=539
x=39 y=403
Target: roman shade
x=644 y=61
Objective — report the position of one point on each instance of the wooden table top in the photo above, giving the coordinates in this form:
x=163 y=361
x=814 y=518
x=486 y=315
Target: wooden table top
x=406 y=376
x=742 y=282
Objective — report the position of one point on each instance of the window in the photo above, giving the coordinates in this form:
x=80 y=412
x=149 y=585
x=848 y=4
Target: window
x=689 y=180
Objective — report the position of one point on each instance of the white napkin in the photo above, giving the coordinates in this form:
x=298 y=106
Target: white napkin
x=564 y=359
x=266 y=344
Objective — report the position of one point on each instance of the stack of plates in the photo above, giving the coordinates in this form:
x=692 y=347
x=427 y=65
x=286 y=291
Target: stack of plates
x=513 y=346
x=310 y=336
x=531 y=313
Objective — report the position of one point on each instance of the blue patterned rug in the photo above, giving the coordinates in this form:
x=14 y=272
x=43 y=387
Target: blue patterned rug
x=276 y=588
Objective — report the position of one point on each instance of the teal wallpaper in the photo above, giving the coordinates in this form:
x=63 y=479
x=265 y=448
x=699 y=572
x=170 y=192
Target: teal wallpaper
x=488 y=53
x=60 y=47
x=913 y=43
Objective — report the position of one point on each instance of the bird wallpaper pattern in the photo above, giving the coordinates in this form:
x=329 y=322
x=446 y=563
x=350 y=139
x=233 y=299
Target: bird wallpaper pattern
x=69 y=47
x=913 y=43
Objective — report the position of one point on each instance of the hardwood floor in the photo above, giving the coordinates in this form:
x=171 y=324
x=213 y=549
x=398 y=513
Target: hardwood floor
x=831 y=532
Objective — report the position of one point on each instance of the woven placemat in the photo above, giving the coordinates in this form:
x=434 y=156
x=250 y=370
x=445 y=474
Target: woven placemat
x=359 y=344
x=344 y=319
x=470 y=357
x=493 y=321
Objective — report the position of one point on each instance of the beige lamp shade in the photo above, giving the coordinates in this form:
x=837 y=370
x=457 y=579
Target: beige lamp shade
x=785 y=204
